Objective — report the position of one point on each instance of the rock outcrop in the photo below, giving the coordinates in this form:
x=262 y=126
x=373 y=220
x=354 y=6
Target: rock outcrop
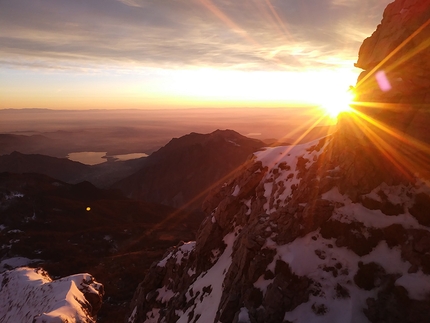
x=310 y=233
x=30 y=295
x=336 y=230
x=394 y=88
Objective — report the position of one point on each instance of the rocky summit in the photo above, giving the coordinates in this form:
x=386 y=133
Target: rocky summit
x=335 y=230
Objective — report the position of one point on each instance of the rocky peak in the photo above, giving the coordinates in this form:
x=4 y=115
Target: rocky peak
x=182 y=173
x=404 y=21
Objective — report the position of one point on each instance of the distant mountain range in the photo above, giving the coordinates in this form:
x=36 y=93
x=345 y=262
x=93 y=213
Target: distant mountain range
x=102 y=175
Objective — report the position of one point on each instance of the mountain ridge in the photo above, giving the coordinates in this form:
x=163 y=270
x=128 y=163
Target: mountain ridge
x=183 y=172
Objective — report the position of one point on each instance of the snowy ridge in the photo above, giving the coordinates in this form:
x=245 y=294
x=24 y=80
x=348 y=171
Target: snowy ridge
x=284 y=242
x=285 y=164
x=30 y=295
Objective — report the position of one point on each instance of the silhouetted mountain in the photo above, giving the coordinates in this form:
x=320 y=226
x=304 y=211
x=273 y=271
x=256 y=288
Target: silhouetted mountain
x=28 y=144
x=59 y=168
x=183 y=172
x=63 y=169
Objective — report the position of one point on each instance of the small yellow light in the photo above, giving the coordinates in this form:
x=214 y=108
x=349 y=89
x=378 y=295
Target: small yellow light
x=88 y=208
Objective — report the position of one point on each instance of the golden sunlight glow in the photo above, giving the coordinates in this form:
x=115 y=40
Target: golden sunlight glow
x=333 y=104
x=316 y=88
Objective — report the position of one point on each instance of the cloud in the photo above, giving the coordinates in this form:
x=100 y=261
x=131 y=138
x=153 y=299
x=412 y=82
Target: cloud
x=255 y=34
x=132 y=3
x=344 y=3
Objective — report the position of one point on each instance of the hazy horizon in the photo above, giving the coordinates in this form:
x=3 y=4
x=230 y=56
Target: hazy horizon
x=182 y=54
x=60 y=132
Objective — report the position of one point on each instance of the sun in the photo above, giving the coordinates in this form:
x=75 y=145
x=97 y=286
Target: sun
x=335 y=103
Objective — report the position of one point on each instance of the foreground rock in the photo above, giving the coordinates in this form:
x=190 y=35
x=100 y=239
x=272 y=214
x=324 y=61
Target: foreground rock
x=30 y=295
x=300 y=236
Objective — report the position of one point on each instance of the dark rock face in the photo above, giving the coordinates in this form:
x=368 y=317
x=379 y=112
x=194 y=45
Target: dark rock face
x=335 y=230
x=399 y=52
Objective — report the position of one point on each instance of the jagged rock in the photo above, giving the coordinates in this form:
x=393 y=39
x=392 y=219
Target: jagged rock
x=393 y=305
x=420 y=209
x=271 y=263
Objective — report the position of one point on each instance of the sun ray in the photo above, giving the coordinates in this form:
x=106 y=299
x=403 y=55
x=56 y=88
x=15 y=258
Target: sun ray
x=174 y=219
x=409 y=155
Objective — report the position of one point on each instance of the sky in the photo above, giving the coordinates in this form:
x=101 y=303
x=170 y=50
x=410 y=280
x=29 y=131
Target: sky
x=105 y=54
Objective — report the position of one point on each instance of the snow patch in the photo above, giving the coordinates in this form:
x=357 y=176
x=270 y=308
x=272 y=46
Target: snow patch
x=178 y=254
x=164 y=294
x=132 y=317
x=153 y=316
x=244 y=316
x=283 y=175
x=330 y=267
x=29 y=295
x=209 y=287
x=234 y=143
x=236 y=191
x=262 y=284
x=355 y=212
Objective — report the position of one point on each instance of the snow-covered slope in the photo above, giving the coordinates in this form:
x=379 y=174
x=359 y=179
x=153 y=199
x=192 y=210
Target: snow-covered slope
x=30 y=295
x=297 y=238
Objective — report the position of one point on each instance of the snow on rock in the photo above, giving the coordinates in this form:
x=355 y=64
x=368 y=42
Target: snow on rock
x=286 y=164
x=206 y=290
x=178 y=254
x=30 y=295
x=290 y=240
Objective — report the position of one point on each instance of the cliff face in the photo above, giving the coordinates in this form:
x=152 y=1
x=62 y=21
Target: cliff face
x=336 y=230
x=394 y=87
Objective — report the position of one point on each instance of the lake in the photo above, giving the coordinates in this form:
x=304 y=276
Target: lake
x=97 y=157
